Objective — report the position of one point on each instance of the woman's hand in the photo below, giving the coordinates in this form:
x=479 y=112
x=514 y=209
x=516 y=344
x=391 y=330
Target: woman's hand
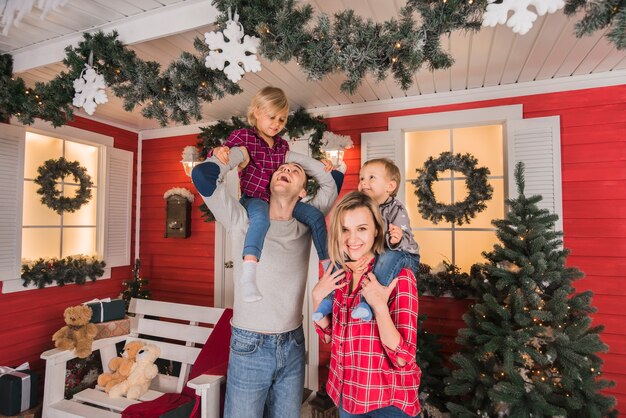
x=375 y=293
x=327 y=284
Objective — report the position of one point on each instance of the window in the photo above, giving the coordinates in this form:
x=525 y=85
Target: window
x=45 y=233
x=29 y=230
x=458 y=244
x=498 y=137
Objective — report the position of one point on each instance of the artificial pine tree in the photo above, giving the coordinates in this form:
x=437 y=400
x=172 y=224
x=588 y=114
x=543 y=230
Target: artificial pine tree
x=135 y=288
x=529 y=349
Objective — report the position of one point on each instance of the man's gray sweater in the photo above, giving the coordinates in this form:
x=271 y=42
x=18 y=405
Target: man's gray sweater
x=283 y=268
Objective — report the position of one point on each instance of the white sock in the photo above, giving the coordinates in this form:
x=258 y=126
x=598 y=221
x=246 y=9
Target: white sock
x=248 y=282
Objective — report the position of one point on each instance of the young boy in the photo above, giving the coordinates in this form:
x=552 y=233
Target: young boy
x=380 y=179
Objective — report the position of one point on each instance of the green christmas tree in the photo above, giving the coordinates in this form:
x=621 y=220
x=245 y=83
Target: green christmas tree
x=529 y=349
x=136 y=287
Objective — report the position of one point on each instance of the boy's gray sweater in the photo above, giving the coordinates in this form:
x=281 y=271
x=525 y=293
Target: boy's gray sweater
x=283 y=268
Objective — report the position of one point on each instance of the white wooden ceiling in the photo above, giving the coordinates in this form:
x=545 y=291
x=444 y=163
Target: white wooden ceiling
x=485 y=60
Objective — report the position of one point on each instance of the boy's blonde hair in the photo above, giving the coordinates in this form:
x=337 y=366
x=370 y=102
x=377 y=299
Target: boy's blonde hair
x=268 y=99
x=351 y=201
x=391 y=171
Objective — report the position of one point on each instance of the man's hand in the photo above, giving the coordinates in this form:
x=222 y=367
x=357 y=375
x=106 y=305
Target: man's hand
x=328 y=165
x=395 y=234
x=222 y=154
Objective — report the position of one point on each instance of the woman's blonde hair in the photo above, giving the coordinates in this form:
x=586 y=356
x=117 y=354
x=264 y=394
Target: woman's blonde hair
x=268 y=99
x=351 y=201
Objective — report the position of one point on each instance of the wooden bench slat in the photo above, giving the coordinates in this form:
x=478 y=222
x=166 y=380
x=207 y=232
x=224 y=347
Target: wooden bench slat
x=171 y=310
x=101 y=398
x=71 y=409
x=175 y=352
x=171 y=330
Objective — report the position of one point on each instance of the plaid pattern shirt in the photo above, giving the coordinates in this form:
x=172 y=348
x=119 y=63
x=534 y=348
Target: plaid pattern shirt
x=255 y=178
x=364 y=372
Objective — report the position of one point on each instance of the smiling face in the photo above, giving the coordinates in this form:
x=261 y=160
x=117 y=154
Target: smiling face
x=358 y=233
x=289 y=180
x=269 y=122
x=374 y=182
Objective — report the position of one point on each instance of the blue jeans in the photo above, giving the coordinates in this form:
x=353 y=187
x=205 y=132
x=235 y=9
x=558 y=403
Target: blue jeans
x=387 y=412
x=259 y=216
x=265 y=371
x=389 y=264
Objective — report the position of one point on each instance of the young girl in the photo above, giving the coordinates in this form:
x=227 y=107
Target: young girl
x=267 y=114
x=373 y=372
x=380 y=179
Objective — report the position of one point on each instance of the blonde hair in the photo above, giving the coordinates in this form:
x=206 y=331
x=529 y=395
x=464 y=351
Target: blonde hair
x=268 y=99
x=391 y=171
x=352 y=201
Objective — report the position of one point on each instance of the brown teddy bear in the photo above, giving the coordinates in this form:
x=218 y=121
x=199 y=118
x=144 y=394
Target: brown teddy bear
x=139 y=379
x=79 y=333
x=120 y=366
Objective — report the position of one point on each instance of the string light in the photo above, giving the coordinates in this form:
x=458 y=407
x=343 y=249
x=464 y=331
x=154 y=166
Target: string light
x=398 y=45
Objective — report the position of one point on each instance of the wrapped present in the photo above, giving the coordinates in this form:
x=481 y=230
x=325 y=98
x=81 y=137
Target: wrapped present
x=31 y=413
x=106 y=309
x=19 y=389
x=113 y=328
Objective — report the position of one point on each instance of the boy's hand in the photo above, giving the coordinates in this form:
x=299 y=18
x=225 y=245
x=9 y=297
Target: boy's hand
x=222 y=154
x=395 y=234
x=328 y=165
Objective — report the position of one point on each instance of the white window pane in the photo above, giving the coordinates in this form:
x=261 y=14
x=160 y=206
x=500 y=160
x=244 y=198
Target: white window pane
x=443 y=194
x=38 y=150
x=435 y=246
x=86 y=155
x=495 y=206
x=35 y=212
x=420 y=146
x=40 y=242
x=469 y=246
x=483 y=142
x=79 y=241
x=86 y=215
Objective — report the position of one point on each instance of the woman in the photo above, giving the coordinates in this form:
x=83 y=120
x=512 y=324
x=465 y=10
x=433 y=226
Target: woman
x=373 y=372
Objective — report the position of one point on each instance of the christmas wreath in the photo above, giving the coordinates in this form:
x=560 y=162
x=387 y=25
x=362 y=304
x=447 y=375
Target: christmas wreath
x=479 y=190
x=53 y=170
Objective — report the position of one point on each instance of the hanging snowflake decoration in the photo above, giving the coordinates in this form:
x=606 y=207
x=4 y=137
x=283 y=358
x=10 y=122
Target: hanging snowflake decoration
x=234 y=47
x=522 y=19
x=89 y=89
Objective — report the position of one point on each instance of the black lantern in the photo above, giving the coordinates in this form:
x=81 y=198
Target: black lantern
x=177 y=217
x=322 y=406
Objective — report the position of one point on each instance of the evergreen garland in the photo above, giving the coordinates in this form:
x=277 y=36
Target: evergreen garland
x=71 y=269
x=346 y=43
x=53 y=170
x=478 y=189
x=135 y=287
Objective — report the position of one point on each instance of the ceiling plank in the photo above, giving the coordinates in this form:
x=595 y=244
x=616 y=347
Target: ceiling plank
x=158 y=23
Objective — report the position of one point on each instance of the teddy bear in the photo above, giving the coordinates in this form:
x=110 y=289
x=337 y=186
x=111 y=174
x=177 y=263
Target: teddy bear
x=138 y=381
x=120 y=366
x=79 y=333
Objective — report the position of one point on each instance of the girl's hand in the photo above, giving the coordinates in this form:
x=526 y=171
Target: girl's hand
x=222 y=154
x=395 y=234
x=327 y=284
x=375 y=293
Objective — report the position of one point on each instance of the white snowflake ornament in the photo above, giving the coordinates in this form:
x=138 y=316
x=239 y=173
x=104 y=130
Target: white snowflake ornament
x=89 y=89
x=522 y=19
x=234 y=47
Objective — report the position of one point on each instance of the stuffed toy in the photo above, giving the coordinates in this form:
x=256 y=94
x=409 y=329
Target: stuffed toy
x=138 y=381
x=79 y=333
x=120 y=366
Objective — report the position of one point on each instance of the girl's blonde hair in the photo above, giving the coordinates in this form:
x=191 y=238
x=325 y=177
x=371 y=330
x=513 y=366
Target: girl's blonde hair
x=351 y=201
x=268 y=99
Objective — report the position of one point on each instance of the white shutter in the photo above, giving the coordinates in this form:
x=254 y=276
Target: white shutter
x=537 y=143
x=11 y=189
x=386 y=144
x=118 y=207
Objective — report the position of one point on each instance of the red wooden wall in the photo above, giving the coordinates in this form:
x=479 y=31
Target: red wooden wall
x=30 y=318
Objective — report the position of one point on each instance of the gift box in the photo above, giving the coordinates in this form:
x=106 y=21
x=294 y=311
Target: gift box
x=19 y=390
x=31 y=413
x=107 y=309
x=113 y=328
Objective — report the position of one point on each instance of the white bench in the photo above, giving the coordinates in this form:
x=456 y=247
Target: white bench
x=178 y=342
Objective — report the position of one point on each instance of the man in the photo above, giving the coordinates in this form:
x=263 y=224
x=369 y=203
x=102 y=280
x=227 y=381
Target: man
x=266 y=364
